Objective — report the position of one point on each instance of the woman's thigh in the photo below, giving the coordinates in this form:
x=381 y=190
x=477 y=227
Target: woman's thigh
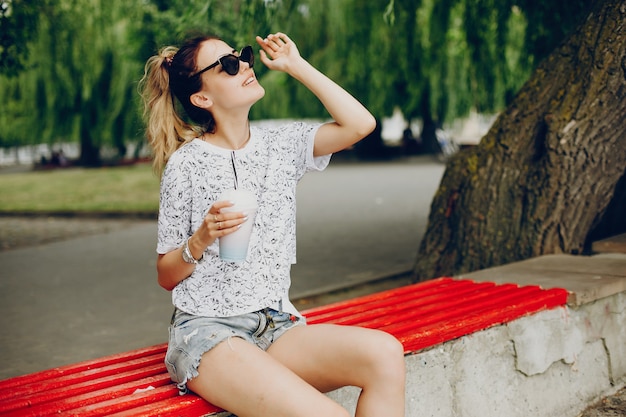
x=247 y=381
x=330 y=356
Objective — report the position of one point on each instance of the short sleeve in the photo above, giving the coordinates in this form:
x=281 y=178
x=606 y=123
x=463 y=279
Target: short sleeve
x=174 y=223
x=315 y=163
x=301 y=138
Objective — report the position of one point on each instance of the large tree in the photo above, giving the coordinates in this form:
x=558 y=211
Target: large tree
x=543 y=178
x=78 y=81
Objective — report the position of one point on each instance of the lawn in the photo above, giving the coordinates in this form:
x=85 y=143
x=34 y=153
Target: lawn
x=126 y=189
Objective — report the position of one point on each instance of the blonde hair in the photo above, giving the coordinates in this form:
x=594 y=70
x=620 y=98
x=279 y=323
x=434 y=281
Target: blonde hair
x=169 y=76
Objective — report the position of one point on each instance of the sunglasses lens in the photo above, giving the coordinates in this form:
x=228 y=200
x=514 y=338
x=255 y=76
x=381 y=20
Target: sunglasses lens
x=247 y=55
x=230 y=64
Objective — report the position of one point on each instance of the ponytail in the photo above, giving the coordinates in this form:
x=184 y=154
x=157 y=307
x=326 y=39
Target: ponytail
x=168 y=75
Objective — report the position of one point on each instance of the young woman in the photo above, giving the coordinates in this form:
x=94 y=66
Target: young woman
x=235 y=338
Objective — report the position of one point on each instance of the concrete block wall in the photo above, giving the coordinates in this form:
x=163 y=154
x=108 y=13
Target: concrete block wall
x=554 y=363
x=550 y=364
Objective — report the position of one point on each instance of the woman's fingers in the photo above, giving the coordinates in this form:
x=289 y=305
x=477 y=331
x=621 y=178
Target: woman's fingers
x=221 y=224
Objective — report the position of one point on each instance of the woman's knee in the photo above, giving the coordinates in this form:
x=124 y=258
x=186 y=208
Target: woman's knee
x=388 y=358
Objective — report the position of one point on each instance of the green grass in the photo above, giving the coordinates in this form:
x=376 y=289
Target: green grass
x=127 y=189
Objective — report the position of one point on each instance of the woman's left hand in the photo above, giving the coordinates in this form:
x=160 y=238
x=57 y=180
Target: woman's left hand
x=278 y=51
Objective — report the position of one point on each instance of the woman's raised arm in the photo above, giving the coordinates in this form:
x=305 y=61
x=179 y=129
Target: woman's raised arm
x=352 y=121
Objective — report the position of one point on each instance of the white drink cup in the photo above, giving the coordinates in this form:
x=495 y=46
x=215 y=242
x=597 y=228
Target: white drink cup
x=234 y=246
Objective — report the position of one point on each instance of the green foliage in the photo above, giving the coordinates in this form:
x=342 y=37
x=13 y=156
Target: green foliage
x=18 y=24
x=74 y=64
x=79 y=79
x=473 y=54
x=549 y=22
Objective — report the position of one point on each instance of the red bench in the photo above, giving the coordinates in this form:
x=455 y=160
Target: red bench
x=136 y=383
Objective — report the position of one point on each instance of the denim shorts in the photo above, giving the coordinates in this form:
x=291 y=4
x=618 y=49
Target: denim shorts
x=192 y=336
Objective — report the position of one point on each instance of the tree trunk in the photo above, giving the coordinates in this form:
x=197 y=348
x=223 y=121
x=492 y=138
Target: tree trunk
x=428 y=135
x=543 y=176
x=89 y=151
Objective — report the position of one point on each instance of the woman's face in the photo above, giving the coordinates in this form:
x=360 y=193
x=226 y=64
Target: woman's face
x=225 y=91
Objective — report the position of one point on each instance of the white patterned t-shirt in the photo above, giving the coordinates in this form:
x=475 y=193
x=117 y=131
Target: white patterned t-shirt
x=270 y=166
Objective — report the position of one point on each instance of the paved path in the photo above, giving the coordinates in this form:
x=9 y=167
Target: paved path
x=96 y=294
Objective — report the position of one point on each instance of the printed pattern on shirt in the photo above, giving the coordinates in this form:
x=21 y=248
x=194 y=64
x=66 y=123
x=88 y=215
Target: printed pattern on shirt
x=270 y=165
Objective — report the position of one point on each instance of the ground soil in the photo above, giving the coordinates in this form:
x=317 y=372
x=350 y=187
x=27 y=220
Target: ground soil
x=612 y=406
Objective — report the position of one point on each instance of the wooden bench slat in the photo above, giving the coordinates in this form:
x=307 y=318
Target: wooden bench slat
x=414 y=289
x=189 y=405
x=437 y=333
x=90 y=374
x=154 y=375
x=417 y=308
x=458 y=312
x=111 y=405
x=340 y=313
x=80 y=367
x=65 y=404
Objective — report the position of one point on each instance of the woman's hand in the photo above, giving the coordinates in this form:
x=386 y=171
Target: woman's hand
x=216 y=224
x=171 y=267
x=278 y=52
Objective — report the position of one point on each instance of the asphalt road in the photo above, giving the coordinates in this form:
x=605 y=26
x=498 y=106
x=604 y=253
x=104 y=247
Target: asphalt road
x=360 y=222
x=95 y=294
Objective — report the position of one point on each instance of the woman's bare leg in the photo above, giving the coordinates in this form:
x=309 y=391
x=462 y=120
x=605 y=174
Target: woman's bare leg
x=330 y=356
x=248 y=382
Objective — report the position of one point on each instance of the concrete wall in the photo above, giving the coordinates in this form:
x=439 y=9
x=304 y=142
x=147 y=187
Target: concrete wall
x=553 y=363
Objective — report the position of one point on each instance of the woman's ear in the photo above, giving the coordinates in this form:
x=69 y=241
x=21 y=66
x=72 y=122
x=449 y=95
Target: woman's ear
x=201 y=100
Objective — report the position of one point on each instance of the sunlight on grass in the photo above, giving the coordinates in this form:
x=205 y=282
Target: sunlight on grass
x=117 y=189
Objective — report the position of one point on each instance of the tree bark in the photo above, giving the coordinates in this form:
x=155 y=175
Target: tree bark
x=542 y=178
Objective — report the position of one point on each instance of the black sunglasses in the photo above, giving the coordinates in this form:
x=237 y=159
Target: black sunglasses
x=230 y=62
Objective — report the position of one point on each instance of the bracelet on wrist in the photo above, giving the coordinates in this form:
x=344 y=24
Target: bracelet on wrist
x=188 y=257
